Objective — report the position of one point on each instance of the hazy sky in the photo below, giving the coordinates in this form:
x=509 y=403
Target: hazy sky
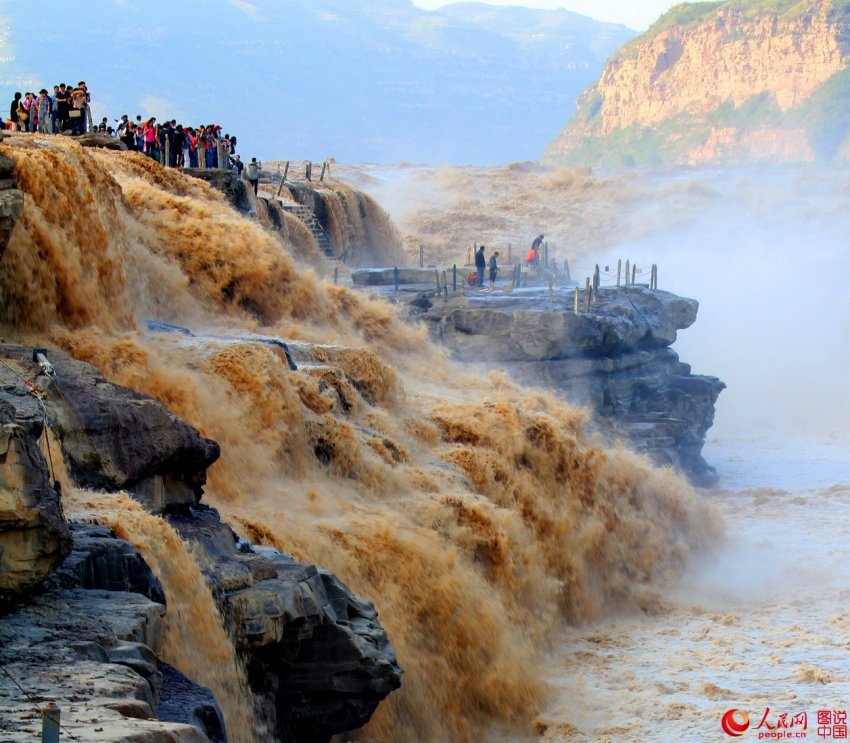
x=636 y=14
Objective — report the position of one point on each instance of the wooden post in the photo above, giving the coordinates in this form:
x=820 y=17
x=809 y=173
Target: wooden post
x=395 y=278
x=454 y=277
x=468 y=256
x=546 y=255
x=510 y=260
x=575 y=301
x=167 y=157
x=421 y=256
x=308 y=171
x=437 y=277
x=336 y=274
x=634 y=271
x=567 y=269
x=445 y=287
x=201 y=151
x=587 y=293
x=596 y=283
x=324 y=168
x=285 y=171
x=282 y=179
x=626 y=276
x=619 y=270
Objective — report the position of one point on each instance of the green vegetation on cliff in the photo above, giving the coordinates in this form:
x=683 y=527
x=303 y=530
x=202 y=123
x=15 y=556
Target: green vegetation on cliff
x=769 y=81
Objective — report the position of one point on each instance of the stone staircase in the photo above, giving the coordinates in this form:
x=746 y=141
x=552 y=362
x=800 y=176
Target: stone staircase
x=306 y=215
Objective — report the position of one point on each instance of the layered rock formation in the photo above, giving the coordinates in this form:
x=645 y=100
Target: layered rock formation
x=716 y=82
x=615 y=359
x=324 y=218
x=319 y=661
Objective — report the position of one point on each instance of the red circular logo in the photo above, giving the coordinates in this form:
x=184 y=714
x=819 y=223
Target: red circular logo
x=731 y=726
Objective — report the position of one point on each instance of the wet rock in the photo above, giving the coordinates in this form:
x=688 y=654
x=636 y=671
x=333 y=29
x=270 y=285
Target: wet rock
x=112 y=438
x=238 y=191
x=614 y=359
x=317 y=657
x=184 y=701
x=100 y=560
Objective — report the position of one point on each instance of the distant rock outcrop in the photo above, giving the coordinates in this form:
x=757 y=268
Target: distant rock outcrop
x=615 y=359
x=720 y=82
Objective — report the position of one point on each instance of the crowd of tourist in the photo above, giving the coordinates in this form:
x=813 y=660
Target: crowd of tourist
x=68 y=110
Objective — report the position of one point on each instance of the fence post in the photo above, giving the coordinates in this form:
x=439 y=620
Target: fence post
x=619 y=270
x=201 y=150
x=437 y=277
x=167 y=157
x=626 y=276
x=395 y=278
x=421 y=256
x=575 y=300
x=324 y=168
x=596 y=283
x=50 y=716
x=308 y=171
x=567 y=269
x=510 y=260
x=445 y=287
x=634 y=271
x=454 y=277
x=336 y=274
x=587 y=293
x=546 y=255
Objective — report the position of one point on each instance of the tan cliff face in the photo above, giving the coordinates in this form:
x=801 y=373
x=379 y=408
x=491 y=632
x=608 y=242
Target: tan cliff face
x=687 y=87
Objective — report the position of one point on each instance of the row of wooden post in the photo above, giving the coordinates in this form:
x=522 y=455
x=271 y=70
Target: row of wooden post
x=591 y=285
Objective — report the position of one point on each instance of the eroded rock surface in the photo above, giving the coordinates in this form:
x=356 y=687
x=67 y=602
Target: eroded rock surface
x=614 y=359
x=34 y=537
x=317 y=657
x=112 y=438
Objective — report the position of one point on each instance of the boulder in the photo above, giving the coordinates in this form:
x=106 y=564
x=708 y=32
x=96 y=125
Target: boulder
x=34 y=537
x=112 y=438
x=100 y=560
x=100 y=139
x=317 y=657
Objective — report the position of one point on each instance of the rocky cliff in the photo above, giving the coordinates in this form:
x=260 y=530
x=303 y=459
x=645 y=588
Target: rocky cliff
x=318 y=660
x=614 y=358
x=720 y=82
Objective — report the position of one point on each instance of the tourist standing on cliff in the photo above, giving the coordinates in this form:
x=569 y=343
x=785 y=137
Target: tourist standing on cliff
x=533 y=257
x=14 y=111
x=62 y=103
x=252 y=173
x=44 y=113
x=494 y=269
x=480 y=265
x=78 y=110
